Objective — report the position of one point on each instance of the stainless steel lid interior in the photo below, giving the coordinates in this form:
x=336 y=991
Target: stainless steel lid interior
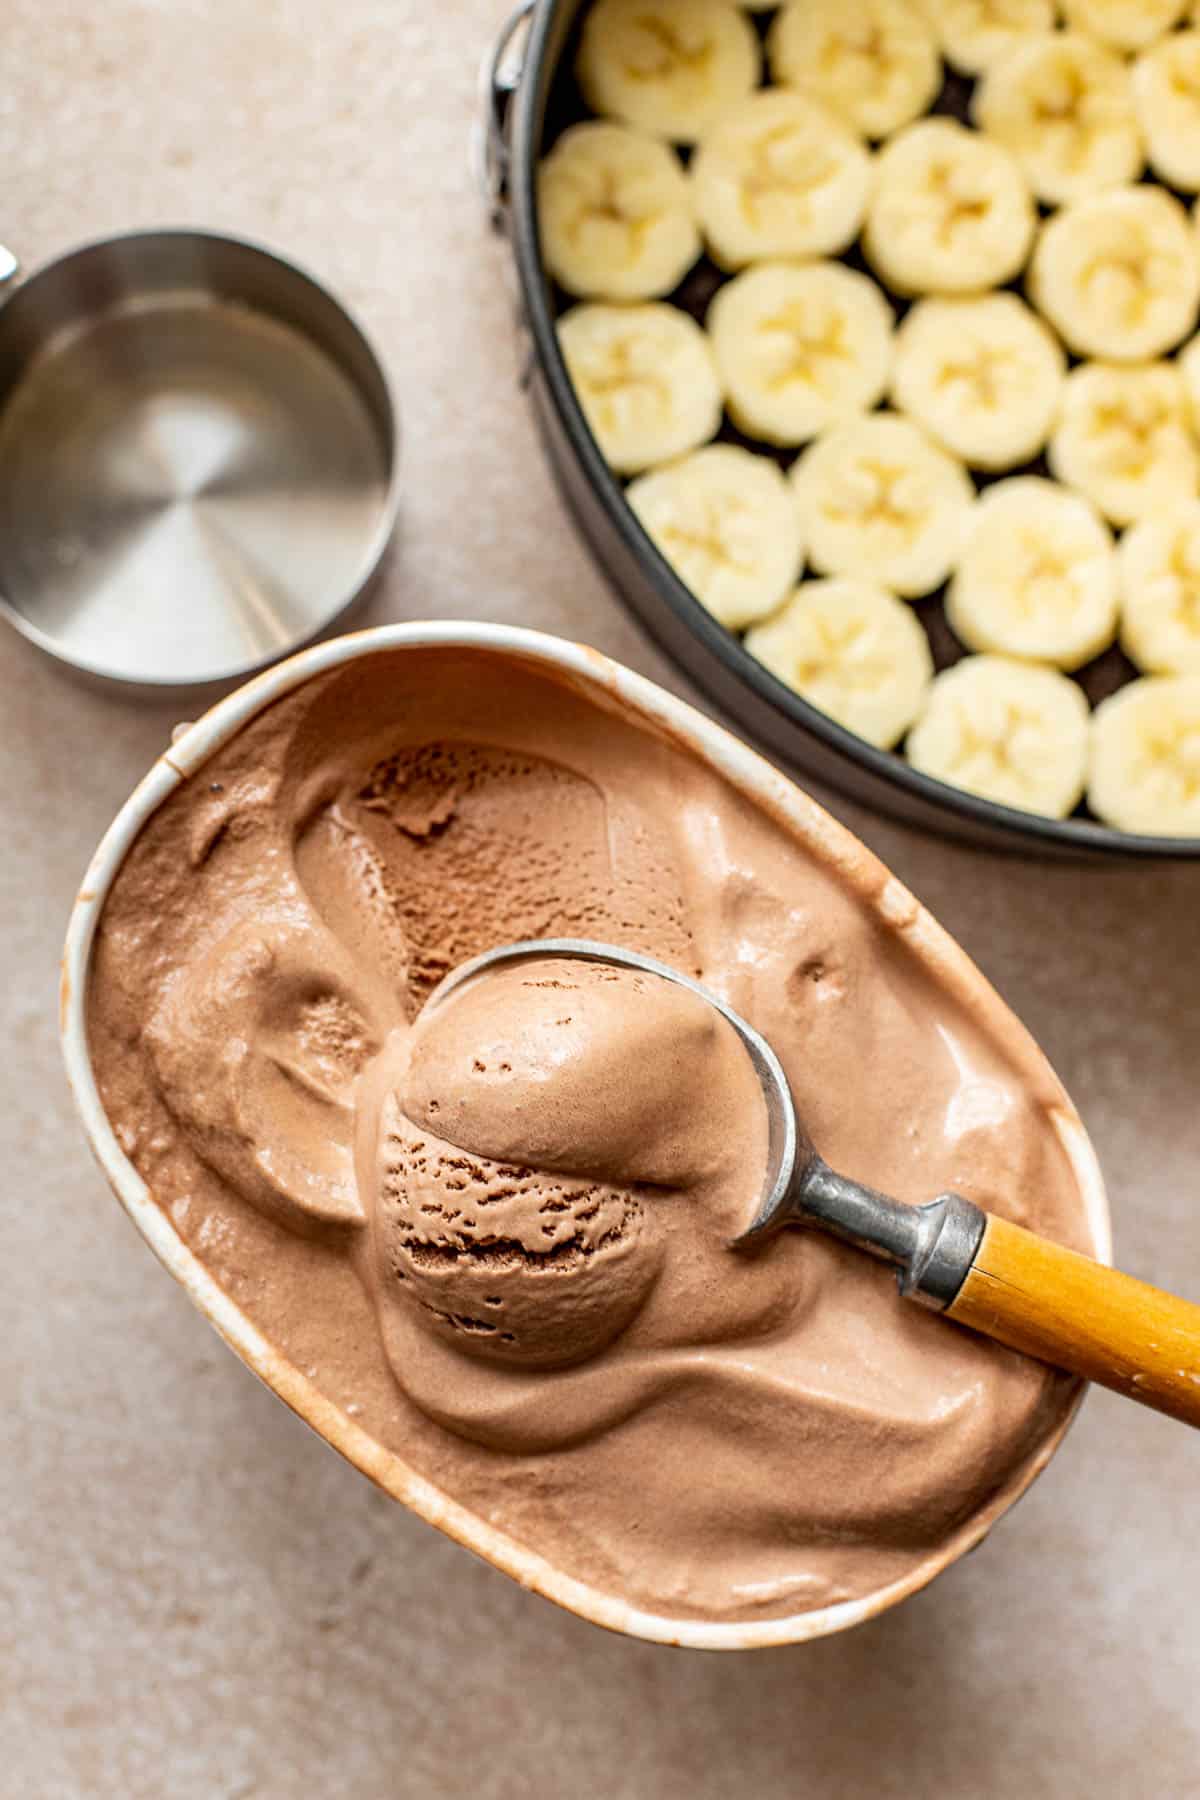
x=198 y=451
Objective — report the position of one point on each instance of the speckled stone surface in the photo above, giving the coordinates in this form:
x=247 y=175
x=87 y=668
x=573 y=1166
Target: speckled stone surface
x=197 y=1599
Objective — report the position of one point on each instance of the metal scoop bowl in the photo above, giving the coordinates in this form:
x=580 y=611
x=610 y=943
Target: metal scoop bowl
x=951 y=1256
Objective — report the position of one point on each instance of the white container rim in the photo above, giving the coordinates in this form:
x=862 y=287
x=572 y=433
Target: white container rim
x=652 y=708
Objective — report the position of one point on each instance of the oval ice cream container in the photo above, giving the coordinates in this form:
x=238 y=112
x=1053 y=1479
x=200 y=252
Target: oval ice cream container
x=661 y=717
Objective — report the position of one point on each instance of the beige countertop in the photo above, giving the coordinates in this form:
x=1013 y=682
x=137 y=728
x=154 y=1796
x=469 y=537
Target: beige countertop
x=197 y=1599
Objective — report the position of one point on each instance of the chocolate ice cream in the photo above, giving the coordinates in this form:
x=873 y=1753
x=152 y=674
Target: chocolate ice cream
x=496 y=1233
x=527 y=1146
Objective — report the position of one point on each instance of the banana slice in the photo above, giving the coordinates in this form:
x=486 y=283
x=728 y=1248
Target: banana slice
x=1158 y=564
x=726 y=522
x=799 y=347
x=1188 y=364
x=616 y=214
x=879 y=501
x=779 y=176
x=1125 y=24
x=1118 y=274
x=671 y=67
x=854 y=651
x=646 y=381
x=1037 y=577
x=974 y=33
x=1123 y=439
x=1064 y=107
x=1144 y=770
x=983 y=376
x=951 y=212
x=1166 y=92
x=875 y=62
x=1008 y=731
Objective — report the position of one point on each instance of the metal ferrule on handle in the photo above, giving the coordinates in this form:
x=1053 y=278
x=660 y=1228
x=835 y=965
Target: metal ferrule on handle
x=932 y=1246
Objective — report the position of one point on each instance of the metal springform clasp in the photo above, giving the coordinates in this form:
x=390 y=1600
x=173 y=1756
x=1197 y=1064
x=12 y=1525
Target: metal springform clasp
x=499 y=77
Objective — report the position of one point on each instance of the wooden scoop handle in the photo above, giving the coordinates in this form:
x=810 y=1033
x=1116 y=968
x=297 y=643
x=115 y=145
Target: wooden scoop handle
x=1066 y=1309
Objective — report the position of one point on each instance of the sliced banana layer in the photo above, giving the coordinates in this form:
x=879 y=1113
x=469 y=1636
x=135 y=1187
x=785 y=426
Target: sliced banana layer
x=1125 y=24
x=1064 y=107
x=951 y=212
x=854 y=651
x=726 y=522
x=799 y=347
x=1118 y=274
x=875 y=62
x=1159 y=567
x=616 y=214
x=671 y=67
x=780 y=175
x=974 y=33
x=1123 y=439
x=646 y=381
x=1008 y=731
x=1166 y=92
x=1037 y=577
x=983 y=376
x=1144 y=772
x=879 y=501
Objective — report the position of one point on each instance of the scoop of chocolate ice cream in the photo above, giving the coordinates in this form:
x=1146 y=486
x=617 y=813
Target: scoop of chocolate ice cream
x=508 y=1262
x=528 y=1129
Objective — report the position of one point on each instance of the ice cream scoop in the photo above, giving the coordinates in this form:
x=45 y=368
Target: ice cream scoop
x=981 y=1271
